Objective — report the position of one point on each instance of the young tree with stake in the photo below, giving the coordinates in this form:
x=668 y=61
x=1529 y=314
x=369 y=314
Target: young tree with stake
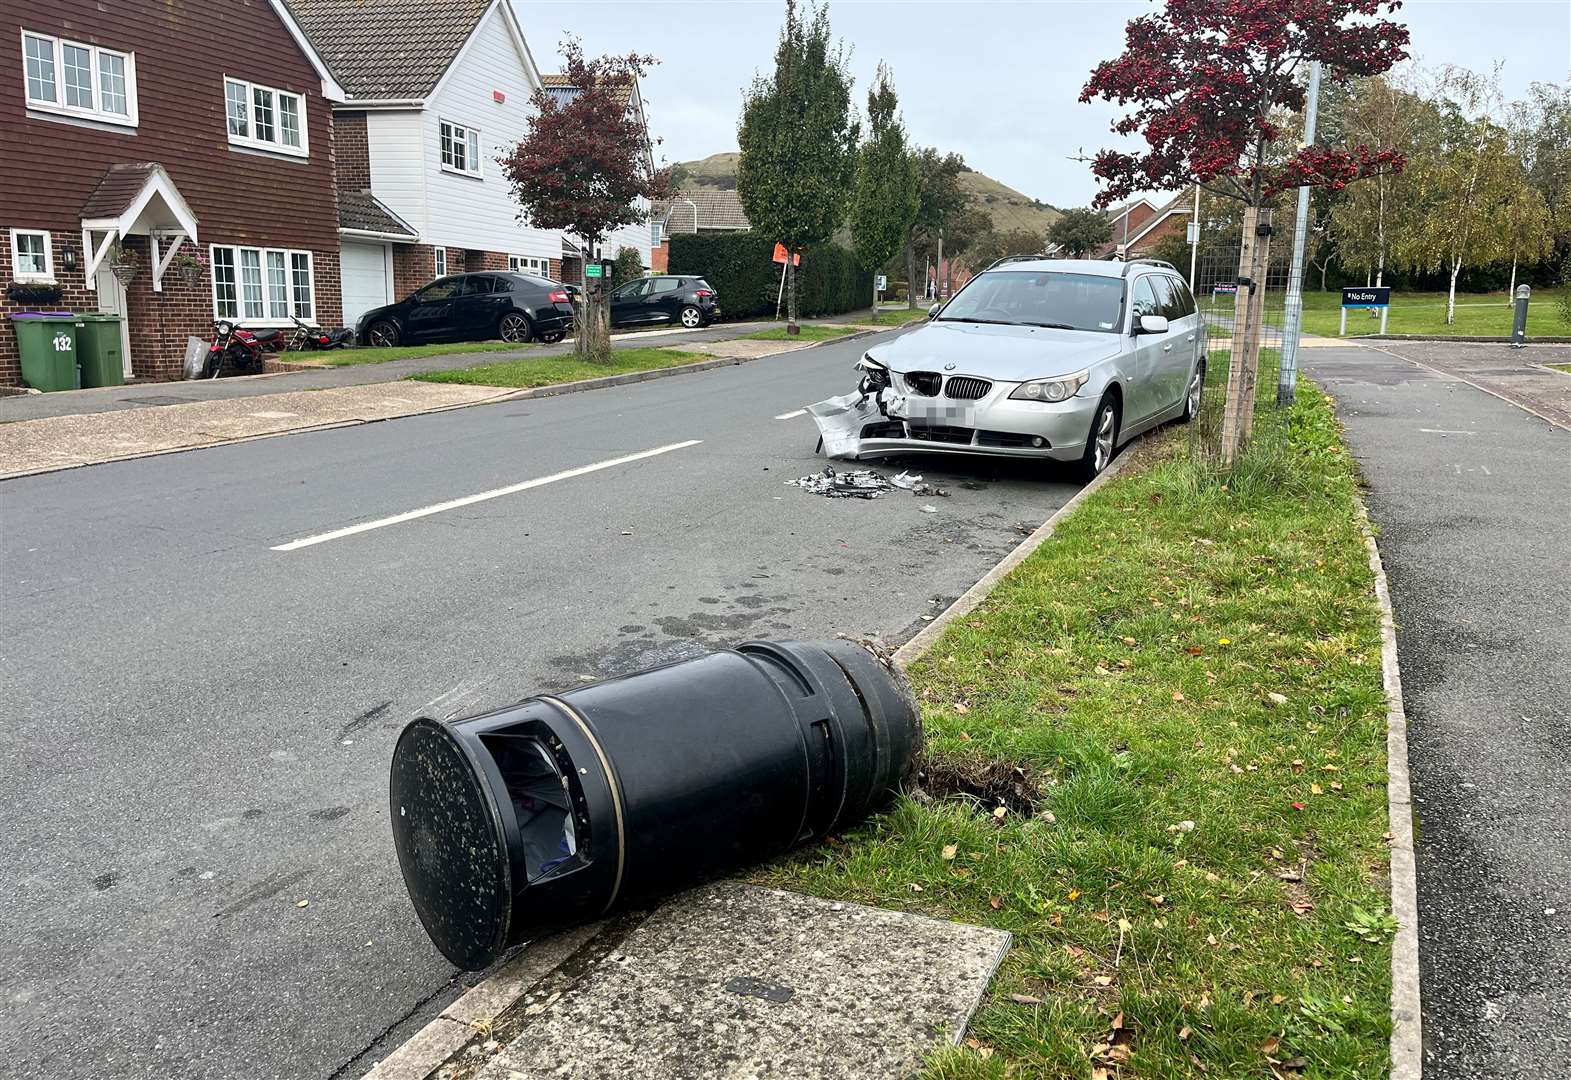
x=1081 y=231
x=798 y=140
x=884 y=199
x=1208 y=84
x=586 y=165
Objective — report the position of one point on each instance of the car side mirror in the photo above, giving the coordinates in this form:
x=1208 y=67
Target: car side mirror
x=1152 y=324
x=932 y=312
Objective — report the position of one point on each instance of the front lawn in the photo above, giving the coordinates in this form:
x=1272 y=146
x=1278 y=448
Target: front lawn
x=1156 y=756
x=897 y=317
x=809 y=332
x=368 y=355
x=549 y=370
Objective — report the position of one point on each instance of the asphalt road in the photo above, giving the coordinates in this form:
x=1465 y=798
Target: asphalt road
x=199 y=726
x=1473 y=500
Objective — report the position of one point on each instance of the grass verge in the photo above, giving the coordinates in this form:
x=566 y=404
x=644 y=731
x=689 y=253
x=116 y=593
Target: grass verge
x=1188 y=676
x=1477 y=314
x=816 y=332
x=351 y=357
x=1561 y=367
x=549 y=370
x=898 y=317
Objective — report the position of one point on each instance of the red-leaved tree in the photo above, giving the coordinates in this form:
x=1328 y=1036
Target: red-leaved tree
x=1211 y=85
x=586 y=165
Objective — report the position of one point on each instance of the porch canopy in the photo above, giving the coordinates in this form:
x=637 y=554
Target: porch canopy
x=137 y=199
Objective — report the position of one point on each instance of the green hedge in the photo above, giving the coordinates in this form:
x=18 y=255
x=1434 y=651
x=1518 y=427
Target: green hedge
x=740 y=267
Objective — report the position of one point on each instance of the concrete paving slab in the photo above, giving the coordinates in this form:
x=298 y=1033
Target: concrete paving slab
x=63 y=442
x=742 y=349
x=736 y=980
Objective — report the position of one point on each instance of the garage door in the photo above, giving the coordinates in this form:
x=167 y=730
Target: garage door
x=364 y=268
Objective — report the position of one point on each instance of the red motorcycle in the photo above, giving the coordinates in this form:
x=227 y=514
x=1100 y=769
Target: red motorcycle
x=242 y=351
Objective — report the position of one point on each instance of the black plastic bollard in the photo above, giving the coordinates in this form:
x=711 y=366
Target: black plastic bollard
x=564 y=806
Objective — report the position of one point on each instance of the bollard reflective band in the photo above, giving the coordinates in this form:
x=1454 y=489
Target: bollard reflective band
x=616 y=795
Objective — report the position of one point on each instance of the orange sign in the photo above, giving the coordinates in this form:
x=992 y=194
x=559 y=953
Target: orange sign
x=780 y=256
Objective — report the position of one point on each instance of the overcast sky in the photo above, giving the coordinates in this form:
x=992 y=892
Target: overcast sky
x=997 y=81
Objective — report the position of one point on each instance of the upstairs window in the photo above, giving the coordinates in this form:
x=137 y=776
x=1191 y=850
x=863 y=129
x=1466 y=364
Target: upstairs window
x=460 y=149
x=76 y=79
x=265 y=118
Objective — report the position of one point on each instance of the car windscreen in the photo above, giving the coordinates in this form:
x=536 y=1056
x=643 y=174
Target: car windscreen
x=1091 y=302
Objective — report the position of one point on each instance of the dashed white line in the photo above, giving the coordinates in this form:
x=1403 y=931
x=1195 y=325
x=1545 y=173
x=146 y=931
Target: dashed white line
x=791 y=415
x=470 y=500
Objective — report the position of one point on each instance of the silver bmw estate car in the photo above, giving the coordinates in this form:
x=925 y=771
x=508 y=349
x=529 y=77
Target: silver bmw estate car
x=1065 y=359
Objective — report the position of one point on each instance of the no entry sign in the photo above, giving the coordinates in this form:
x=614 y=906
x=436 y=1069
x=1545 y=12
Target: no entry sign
x=1371 y=296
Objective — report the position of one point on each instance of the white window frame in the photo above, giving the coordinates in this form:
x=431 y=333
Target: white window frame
x=447 y=132
x=249 y=139
x=57 y=104
x=439 y=261
x=48 y=276
x=239 y=315
x=529 y=264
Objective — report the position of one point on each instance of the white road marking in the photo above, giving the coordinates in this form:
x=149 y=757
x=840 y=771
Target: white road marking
x=1443 y=431
x=470 y=500
x=791 y=415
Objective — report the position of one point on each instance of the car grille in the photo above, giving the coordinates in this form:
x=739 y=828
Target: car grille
x=965 y=388
x=942 y=433
x=926 y=383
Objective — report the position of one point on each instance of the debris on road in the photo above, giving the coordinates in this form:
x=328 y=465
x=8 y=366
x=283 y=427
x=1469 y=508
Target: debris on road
x=906 y=480
x=854 y=484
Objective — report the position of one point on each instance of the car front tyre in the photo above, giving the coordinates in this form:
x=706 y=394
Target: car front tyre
x=1194 y=394
x=692 y=318
x=382 y=334
x=514 y=329
x=1101 y=441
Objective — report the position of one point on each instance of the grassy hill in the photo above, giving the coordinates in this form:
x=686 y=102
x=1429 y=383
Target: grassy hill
x=1008 y=208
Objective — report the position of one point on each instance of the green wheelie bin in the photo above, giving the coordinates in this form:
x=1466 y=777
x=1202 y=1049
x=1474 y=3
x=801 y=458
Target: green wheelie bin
x=47 y=343
x=98 y=350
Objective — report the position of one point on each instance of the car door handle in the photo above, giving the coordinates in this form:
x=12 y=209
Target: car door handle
x=1191 y=337
x=1167 y=348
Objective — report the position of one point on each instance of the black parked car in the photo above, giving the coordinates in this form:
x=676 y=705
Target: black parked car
x=668 y=298
x=472 y=307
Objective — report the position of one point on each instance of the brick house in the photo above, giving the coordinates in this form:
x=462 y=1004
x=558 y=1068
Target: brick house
x=130 y=142
x=1138 y=225
x=692 y=212
x=434 y=95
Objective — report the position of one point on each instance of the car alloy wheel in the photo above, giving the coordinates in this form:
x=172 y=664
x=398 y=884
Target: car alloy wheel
x=1197 y=386
x=515 y=328
x=382 y=335
x=692 y=318
x=1106 y=425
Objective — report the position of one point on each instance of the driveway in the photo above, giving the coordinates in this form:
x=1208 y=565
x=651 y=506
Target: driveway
x=1472 y=496
x=208 y=656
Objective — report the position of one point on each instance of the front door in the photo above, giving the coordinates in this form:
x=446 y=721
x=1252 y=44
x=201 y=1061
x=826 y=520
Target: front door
x=111 y=301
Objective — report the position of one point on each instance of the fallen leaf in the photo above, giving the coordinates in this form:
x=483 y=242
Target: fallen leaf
x=1103 y=980
x=1194 y=650
x=1118 y=1021
x=1025 y=999
x=1277 y=699
x=961 y=708
x=995 y=902
x=913 y=886
x=1074 y=894
x=1298 y=806
x=1128 y=640
x=999 y=812
x=1178 y=695
x=1297 y=1063
x=1298 y=765
x=1157 y=901
x=1270 y=1045
x=1277 y=999
x=950 y=850
x=1124 y=926
x=1315 y=789
x=1184 y=1033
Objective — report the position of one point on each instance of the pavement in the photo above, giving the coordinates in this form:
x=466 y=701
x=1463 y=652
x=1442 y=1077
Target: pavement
x=205 y=658
x=1472 y=495
x=155 y=394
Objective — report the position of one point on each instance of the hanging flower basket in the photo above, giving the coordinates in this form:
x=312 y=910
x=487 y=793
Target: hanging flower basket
x=190 y=267
x=124 y=263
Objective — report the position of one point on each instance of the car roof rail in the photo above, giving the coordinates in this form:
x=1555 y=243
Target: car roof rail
x=1161 y=264
x=1015 y=258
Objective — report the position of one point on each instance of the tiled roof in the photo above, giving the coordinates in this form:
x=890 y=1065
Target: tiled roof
x=364 y=212
x=561 y=87
x=117 y=187
x=388 y=48
x=715 y=210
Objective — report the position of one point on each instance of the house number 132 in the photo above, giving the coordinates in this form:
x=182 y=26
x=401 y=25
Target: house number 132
x=62 y=343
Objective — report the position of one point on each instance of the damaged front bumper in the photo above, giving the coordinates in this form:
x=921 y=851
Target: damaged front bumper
x=879 y=421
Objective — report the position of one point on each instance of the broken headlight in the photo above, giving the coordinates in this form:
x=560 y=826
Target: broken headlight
x=875 y=376
x=1059 y=389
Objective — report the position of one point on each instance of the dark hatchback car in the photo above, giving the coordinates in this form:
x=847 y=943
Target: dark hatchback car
x=668 y=298
x=472 y=307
